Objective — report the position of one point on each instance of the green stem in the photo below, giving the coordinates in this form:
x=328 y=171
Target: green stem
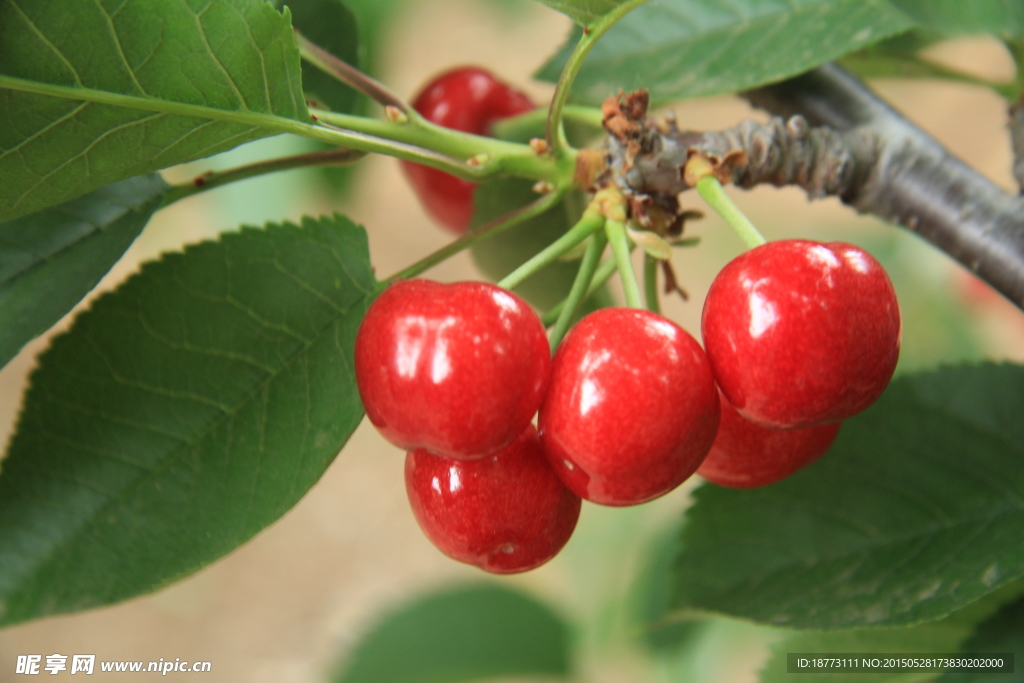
x=352 y=139
x=353 y=132
x=586 y=226
x=899 y=65
x=521 y=126
x=500 y=156
x=580 y=286
x=554 y=132
x=209 y=181
x=486 y=231
x=351 y=76
x=714 y=194
x=602 y=275
x=392 y=144
x=620 y=248
x=1006 y=90
x=651 y=283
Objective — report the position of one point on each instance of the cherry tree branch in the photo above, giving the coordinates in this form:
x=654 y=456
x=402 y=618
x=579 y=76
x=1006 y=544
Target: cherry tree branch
x=349 y=75
x=1017 y=141
x=1016 y=124
x=839 y=139
x=913 y=180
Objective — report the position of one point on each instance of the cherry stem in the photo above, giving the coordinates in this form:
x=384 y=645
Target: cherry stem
x=351 y=76
x=329 y=157
x=485 y=231
x=587 y=225
x=554 y=132
x=713 y=193
x=442 y=148
x=603 y=273
x=651 y=283
x=391 y=144
x=620 y=248
x=520 y=126
x=580 y=288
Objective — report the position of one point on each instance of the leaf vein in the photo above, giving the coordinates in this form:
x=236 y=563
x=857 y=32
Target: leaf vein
x=46 y=41
x=120 y=48
x=110 y=417
x=84 y=153
x=45 y=129
x=155 y=390
x=206 y=42
x=114 y=456
x=201 y=350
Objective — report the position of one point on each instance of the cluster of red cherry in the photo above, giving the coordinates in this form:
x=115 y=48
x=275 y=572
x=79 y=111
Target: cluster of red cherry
x=798 y=336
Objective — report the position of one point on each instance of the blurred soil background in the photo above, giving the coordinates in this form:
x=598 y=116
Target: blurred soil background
x=287 y=606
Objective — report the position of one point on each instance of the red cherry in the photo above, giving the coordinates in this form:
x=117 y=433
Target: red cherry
x=470 y=100
x=801 y=333
x=631 y=408
x=505 y=513
x=458 y=369
x=746 y=455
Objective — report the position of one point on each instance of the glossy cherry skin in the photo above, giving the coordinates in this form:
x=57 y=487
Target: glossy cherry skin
x=470 y=100
x=459 y=369
x=631 y=409
x=802 y=333
x=746 y=455
x=505 y=513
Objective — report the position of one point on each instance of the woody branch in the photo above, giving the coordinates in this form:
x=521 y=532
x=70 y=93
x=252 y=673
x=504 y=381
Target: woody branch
x=840 y=139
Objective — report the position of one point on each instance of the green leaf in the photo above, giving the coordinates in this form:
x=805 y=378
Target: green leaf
x=50 y=259
x=947 y=635
x=691 y=48
x=584 y=12
x=181 y=414
x=462 y=634
x=1002 y=18
x=915 y=513
x=1003 y=632
x=903 y=45
x=94 y=92
x=332 y=26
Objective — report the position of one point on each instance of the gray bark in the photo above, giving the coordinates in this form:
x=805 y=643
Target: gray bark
x=1017 y=140
x=916 y=183
x=840 y=139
